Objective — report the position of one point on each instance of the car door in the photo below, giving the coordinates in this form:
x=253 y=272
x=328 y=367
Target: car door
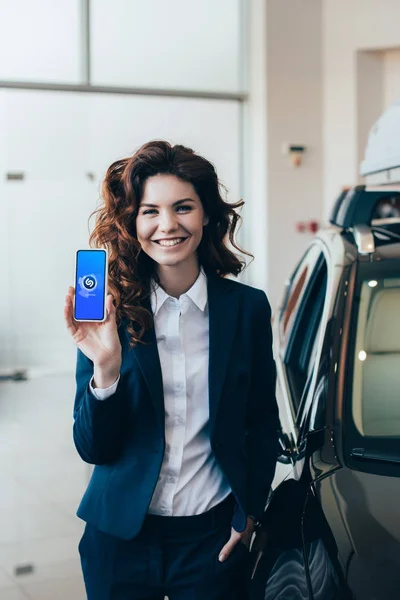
x=281 y=568
x=364 y=514
x=316 y=455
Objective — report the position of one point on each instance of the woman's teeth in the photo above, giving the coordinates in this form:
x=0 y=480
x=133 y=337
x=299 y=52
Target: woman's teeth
x=170 y=242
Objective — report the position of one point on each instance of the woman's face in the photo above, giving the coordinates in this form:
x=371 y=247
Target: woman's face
x=170 y=220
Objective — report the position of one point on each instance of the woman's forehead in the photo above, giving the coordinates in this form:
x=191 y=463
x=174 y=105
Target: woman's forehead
x=167 y=189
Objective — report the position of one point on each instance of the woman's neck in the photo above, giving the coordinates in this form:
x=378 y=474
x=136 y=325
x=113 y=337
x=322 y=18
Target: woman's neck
x=177 y=280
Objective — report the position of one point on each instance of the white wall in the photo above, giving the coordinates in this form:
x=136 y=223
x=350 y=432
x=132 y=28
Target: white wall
x=294 y=112
x=179 y=44
x=391 y=77
x=255 y=148
x=348 y=27
x=176 y=44
x=40 y=40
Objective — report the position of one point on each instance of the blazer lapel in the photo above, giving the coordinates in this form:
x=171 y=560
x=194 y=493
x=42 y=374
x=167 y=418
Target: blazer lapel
x=148 y=360
x=223 y=302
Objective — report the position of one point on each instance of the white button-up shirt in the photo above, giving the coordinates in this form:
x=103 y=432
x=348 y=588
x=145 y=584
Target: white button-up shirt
x=190 y=480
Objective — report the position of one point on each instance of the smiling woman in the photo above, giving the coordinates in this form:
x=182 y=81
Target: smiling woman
x=170 y=230
x=163 y=212
x=175 y=400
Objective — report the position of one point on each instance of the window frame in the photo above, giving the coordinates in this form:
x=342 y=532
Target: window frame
x=315 y=290
x=380 y=453
x=308 y=261
x=314 y=259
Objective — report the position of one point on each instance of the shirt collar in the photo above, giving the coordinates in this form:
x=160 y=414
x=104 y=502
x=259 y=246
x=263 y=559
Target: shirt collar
x=197 y=294
x=198 y=291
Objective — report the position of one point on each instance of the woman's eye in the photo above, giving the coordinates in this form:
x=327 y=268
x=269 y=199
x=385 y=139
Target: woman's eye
x=184 y=208
x=149 y=211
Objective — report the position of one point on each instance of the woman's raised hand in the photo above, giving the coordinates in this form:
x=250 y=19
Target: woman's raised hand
x=98 y=341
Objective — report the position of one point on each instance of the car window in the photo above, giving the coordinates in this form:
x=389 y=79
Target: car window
x=371 y=397
x=376 y=374
x=294 y=294
x=305 y=332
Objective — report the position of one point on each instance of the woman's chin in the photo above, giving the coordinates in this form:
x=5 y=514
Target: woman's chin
x=173 y=259
x=169 y=261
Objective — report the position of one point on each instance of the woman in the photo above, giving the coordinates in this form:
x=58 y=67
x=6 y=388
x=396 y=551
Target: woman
x=175 y=400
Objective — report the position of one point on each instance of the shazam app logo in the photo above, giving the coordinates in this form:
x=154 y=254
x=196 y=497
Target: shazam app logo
x=87 y=283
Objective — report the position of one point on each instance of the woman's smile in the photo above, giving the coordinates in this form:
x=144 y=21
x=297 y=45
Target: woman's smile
x=170 y=242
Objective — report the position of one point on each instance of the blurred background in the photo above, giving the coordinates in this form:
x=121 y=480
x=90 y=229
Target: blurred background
x=279 y=94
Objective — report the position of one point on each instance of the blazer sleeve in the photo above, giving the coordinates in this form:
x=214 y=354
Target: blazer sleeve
x=98 y=424
x=262 y=427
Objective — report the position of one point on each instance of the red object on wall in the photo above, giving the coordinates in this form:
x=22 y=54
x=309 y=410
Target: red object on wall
x=313 y=226
x=300 y=227
x=308 y=226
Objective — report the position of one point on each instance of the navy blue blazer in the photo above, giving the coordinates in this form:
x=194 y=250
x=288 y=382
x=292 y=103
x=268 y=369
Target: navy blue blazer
x=124 y=435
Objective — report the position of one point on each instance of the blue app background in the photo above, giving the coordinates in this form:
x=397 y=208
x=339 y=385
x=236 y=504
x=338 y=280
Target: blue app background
x=90 y=284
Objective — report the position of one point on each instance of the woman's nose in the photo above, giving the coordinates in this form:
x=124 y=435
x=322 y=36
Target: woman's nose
x=168 y=221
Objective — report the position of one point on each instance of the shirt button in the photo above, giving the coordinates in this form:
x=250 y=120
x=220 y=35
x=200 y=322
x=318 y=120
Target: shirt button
x=171 y=479
x=179 y=420
x=179 y=385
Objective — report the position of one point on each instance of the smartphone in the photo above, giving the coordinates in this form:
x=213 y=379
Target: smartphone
x=91 y=274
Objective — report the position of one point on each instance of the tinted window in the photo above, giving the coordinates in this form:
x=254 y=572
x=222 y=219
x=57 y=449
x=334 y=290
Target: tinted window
x=387 y=207
x=295 y=292
x=371 y=403
x=301 y=348
x=376 y=376
x=294 y=296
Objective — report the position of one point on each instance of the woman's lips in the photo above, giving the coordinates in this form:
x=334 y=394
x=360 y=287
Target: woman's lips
x=171 y=243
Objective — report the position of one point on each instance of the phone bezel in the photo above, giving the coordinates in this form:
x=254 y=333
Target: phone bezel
x=105 y=284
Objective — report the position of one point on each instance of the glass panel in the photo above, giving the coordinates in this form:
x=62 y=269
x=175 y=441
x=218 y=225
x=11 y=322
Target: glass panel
x=178 y=44
x=376 y=383
x=210 y=127
x=48 y=222
x=306 y=334
x=46 y=134
x=40 y=40
x=294 y=293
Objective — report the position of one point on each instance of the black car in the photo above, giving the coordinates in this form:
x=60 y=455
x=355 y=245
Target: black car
x=332 y=526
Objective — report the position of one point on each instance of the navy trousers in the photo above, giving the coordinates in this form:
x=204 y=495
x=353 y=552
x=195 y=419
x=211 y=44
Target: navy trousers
x=171 y=556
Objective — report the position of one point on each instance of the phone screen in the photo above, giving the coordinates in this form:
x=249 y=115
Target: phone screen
x=90 y=285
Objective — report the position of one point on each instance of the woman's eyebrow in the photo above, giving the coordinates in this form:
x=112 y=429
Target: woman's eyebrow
x=174 y=204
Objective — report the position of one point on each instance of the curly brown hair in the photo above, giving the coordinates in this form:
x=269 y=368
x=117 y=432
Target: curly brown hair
x=130 y=270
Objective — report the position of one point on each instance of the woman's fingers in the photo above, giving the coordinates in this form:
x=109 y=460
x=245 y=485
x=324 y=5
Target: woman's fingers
x=229 y=546
x=111 y=310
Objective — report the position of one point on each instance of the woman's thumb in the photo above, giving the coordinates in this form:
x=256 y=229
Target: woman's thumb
x=111 y=309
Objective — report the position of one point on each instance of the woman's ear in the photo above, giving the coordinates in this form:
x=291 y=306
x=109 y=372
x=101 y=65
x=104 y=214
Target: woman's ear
x=206 y=220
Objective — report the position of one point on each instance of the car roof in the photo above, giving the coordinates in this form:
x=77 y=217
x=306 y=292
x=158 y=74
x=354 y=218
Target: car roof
x=367 y=218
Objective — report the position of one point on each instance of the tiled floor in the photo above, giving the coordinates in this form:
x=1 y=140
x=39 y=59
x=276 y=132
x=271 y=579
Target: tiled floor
x=41 y=482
